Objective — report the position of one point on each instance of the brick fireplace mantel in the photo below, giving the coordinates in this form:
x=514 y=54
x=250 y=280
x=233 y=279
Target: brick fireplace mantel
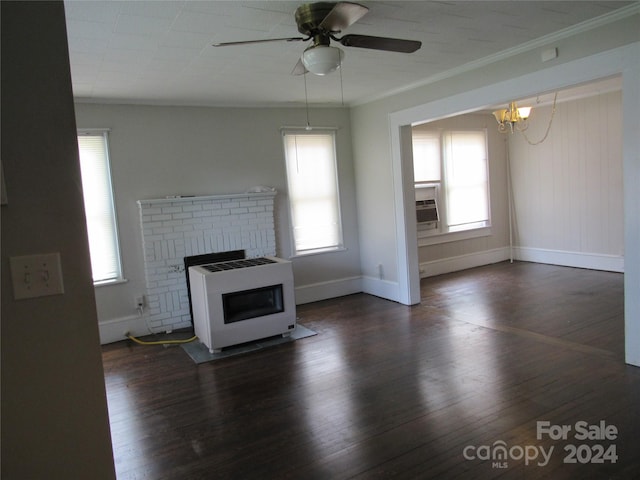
x=178 y=227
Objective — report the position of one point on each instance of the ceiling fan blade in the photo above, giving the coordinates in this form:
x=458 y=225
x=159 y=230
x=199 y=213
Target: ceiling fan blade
x=342 y=15
x=299 y=69
x=247 y=42
x=380 y=43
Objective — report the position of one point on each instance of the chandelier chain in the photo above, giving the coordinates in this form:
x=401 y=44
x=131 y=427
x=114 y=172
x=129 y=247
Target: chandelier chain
x=553 y=112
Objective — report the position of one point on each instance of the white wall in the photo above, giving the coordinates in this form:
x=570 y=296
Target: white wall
x=54 y=411
x=158 y=151
x=568 y=191
x=375 y=199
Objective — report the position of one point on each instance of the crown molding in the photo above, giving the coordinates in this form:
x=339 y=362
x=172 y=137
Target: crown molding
x=585 y=26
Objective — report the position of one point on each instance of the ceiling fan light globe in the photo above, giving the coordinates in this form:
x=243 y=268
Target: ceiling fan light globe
x=322 y=59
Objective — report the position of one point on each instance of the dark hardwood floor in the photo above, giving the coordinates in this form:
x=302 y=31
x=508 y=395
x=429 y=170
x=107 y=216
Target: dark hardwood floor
x=391 y=391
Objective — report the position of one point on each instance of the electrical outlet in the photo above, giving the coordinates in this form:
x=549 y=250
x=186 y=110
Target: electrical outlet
x=36 y=275
x=139 y=301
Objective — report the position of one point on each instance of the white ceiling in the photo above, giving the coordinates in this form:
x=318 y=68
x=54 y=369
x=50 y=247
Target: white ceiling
x=159 y=52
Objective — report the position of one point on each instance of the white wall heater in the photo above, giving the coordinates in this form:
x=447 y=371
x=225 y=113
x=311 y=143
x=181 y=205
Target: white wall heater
x=239 y=301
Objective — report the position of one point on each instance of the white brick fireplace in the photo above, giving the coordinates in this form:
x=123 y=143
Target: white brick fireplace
x=174 y=228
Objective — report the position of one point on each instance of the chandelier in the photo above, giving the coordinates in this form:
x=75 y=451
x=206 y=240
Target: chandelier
x=516 y=118
x=512 y=118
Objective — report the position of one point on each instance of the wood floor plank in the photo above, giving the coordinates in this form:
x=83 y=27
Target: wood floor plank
x=390 y=391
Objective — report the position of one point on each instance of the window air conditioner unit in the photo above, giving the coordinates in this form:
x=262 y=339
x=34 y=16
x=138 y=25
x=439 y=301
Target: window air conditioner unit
x=427 y=213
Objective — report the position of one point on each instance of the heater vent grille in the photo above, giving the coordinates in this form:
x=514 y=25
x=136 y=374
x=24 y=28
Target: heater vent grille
x=235 y=264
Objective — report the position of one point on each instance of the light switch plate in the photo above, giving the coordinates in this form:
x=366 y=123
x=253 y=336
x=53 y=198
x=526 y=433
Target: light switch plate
x=36 y=275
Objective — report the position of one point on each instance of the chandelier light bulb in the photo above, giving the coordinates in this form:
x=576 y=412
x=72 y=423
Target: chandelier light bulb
x=524 y=112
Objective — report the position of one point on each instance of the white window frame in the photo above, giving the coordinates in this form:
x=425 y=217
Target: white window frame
x=104 y=207
x=442 y=233
x=296 y=196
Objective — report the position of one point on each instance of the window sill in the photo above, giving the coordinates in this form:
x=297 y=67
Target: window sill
x=319 y=251
x=106 y=283
x=426 y=238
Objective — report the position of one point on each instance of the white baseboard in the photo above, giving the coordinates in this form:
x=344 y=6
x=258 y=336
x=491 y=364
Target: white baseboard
x=331 y=289
x=592 y=261
x=347 y=286
x=463 y=262
x=113 y=330
x=610 y=263
x=381 y=288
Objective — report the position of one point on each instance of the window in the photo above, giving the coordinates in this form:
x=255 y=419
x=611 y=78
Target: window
x=426 y=157
x=99 y=207
x=450 y=167
x=313 y=191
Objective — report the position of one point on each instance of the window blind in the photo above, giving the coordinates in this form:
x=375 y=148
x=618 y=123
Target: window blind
x=465 y=159
x=99 y=206
x=313 y=191
x=426 y=156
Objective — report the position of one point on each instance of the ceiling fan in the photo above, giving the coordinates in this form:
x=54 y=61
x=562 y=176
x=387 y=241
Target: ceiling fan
x=321 y=21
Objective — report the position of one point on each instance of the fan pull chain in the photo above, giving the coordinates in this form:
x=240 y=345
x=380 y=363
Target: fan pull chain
x=341 y=86
x=306 y=100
